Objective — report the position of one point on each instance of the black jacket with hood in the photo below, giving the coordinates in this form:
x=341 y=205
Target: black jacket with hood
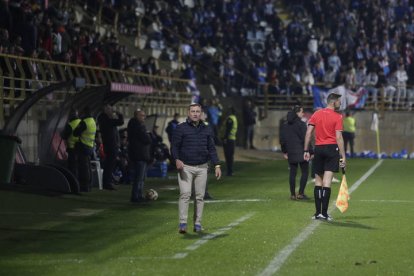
x=292 y=137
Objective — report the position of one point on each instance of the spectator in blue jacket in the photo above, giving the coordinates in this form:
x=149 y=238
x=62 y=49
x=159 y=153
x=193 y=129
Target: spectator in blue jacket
x=192 y=148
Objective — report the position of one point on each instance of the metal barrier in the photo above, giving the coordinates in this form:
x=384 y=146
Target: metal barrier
x=390 y=98
x=21 y=76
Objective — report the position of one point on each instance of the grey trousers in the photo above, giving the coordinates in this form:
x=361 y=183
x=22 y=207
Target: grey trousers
x=186 y=177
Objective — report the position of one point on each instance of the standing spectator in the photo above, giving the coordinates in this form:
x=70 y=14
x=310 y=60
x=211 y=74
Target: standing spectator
x=308 y=81
x=329 y=148
x=214 y=115
x=349 y=132
x=172 y=125
x=229 y=140
x=192 y=148
x=334 y=61
x=86 y=131
x=139 y=146
x=108 y=122
x=292 y=139
x=402 y=77
x=249 y=116
x=370 y=85
x=71 y=140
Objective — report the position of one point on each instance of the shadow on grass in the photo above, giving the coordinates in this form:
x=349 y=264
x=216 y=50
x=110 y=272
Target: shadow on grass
x=350 y=224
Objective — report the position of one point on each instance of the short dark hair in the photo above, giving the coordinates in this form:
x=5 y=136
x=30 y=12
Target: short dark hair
x=297 y=108
x=333 y=97
x=194 y=104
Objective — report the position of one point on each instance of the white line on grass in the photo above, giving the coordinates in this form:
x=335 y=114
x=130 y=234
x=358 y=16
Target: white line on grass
x=280 y=258
x=386 y=201
x=225 y=201
x=208 y=237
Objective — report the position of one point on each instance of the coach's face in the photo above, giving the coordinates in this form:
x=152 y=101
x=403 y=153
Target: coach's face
x=194 y=113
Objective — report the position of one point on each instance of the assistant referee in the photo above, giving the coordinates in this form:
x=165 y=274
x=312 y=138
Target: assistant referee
x=329 y=151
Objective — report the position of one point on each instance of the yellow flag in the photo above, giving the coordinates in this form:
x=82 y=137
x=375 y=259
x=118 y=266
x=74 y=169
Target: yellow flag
x=343 y=196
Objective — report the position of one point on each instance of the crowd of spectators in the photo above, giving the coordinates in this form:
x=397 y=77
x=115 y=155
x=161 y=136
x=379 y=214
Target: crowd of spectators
x=237 y=45
x=28 y=28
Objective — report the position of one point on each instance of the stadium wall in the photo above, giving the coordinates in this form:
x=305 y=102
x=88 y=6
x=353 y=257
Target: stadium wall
x=396 y=131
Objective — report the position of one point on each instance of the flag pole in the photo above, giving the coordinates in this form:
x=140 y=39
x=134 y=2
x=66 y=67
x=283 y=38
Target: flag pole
x=375 y=127
x=378 y=143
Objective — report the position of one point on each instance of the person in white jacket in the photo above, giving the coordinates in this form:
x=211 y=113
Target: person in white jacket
x=401 y=78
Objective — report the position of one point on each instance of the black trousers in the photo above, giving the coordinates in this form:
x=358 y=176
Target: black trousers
x=349 y=139
x=109 y=167
x=73 y=161
x=84 y=167
x=229 y=148
x=304 y=167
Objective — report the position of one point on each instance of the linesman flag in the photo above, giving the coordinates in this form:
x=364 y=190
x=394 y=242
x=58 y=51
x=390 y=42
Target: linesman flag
x=343 y=195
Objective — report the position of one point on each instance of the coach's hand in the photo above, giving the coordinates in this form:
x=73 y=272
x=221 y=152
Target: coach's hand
x=179 y=164
x=218 y=172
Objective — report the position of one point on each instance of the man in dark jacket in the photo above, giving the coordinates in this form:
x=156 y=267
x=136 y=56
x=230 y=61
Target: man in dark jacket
x=172 y=125
x=108 y=123
x=139 y=145
x=192 y=148
x=292 y=138
x=249 y=116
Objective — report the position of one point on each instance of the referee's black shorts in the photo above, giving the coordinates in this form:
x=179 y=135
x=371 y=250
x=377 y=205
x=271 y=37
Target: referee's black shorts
x=326 y=159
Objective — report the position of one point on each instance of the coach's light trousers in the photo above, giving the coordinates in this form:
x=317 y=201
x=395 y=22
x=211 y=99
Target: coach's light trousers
x=186 y=177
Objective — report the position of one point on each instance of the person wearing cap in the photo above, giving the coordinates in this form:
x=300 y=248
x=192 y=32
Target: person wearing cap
x=329 y=150
x=192 y=148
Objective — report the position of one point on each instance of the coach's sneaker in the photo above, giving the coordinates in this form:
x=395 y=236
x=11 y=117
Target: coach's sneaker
x=198 y=228
x=182 y=228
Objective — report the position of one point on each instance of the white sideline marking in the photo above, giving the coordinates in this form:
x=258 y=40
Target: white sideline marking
x=208 y=237
x=224 y=200
x=387 y=201
x=83 y=212
x=77 y=212
x=280 y=258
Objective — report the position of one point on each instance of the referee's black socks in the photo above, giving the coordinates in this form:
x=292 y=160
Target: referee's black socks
x=317 y=193
x=326 y=195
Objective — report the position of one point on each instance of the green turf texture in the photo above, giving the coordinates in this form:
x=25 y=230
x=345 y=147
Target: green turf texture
x=101 y=233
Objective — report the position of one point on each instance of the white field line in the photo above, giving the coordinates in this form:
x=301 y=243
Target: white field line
x=208 y=237
x=386 y=201
x=281 y=256
x=225 y=201
x=77 y=212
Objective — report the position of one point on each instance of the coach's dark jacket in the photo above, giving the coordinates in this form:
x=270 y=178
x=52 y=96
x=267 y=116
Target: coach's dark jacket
x=194 y=145
x=292 y=138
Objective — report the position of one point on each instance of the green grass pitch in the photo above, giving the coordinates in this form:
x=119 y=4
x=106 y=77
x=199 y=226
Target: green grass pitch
x=252 y=228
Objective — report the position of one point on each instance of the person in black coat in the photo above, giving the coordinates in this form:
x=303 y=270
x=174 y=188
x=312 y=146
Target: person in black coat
x=139 y=146
x=108 y=122
x=292 y=138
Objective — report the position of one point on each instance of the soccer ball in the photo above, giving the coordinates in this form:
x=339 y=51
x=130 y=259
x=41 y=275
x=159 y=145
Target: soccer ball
x=151 y=194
